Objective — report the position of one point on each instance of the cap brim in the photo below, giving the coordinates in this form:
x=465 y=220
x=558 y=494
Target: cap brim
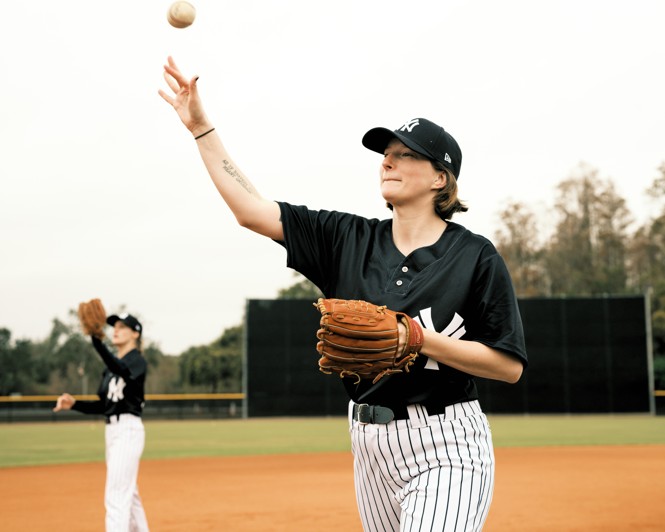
x=378 y=138
x=132 y=324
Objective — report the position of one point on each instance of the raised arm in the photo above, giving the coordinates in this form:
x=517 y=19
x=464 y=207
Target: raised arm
x=250 y=209
x=115 y=365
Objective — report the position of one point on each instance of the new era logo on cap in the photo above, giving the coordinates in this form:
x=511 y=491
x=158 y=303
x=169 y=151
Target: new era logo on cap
x=422 y=136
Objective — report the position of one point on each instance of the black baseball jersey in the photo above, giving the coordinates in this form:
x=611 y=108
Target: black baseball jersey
x=121 y=390
x=459 y=286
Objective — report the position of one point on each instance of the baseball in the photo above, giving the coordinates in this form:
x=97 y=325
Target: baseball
x=181 y=14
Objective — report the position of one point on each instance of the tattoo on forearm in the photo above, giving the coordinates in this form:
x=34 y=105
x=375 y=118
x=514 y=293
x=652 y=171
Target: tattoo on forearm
x=228 y=167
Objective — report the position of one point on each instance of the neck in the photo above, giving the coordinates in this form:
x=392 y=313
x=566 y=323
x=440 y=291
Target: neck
x=413 y=230
x=124 y=349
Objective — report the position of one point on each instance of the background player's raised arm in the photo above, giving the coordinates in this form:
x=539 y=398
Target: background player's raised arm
x=250 y=209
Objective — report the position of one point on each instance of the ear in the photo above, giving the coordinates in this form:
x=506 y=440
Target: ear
x=440 y=181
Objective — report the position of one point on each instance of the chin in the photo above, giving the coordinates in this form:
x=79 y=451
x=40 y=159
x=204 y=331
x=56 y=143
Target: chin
x=387 y=195
x=389 y=198
x=388 y=190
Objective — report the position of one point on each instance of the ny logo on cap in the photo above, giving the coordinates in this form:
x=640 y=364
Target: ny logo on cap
x=447 y=158
x=408 y=126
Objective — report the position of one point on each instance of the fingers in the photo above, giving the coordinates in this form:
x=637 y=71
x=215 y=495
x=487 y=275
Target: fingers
x=64 y=402
x=403 y=336
x=193 y=88
x=183 y=96
x=175 y=79
x=165 y=96
x=175 y=74
x=58 y=404
x=173 y=84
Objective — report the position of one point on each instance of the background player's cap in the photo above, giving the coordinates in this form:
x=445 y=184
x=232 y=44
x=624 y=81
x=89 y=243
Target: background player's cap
x=127 y=319
x=422 y=136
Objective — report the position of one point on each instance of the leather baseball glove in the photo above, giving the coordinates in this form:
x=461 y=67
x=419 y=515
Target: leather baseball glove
x=361 y=340
x=92 y=317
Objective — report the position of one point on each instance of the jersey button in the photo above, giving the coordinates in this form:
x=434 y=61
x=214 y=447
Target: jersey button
x=399 y=283
x=405 y=269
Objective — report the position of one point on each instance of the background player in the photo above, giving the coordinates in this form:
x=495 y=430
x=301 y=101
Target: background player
x=121 y=400
x=432 y=466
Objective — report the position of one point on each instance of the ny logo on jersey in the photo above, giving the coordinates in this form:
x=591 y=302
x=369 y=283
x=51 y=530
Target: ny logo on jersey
x=408 y=126
x=455 y=329
x=116 y=389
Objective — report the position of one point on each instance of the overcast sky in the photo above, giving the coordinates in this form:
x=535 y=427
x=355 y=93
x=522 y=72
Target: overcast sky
x=103 y=194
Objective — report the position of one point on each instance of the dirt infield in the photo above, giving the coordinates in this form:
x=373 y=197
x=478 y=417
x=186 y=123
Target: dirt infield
x=537 y=489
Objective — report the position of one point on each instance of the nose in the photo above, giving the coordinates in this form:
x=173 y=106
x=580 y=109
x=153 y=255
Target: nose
x=388 y=161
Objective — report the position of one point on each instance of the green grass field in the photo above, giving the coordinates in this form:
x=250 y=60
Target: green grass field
x=58 y=443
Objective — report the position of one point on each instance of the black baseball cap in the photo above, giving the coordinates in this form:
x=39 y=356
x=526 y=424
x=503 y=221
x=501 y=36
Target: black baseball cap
x=422 y=136
x=127 y=319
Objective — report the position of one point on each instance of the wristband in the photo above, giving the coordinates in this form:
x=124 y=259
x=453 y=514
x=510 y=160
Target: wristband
x=204 y=134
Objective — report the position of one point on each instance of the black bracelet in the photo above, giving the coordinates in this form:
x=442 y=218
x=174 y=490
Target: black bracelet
x=204 y=134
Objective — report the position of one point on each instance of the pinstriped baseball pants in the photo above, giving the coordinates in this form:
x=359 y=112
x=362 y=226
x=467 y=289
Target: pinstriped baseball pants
x=433 y=473
x=125 y=439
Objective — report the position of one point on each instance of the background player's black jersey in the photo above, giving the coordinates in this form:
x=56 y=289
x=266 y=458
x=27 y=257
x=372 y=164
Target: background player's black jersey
x=121 y=390
x=459 y=286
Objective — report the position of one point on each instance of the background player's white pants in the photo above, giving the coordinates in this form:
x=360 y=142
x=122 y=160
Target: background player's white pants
x=433 y=473
x=125 y=439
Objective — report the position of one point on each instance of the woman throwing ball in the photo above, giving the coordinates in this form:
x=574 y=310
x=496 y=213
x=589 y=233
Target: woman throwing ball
x=423 y=454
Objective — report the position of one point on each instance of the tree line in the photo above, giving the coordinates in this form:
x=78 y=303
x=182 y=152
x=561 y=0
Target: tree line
x=591 y=247
x=66 y=361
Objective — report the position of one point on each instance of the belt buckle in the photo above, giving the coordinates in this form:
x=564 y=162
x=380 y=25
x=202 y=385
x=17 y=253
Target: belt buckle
x=364 y=413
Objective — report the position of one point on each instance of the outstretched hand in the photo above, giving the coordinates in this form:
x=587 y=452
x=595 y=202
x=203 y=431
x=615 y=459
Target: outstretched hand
x=64 y=402
x=185 y=99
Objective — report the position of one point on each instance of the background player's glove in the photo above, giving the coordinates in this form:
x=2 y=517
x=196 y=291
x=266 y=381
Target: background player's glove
x=361 y=340
x=92 y=317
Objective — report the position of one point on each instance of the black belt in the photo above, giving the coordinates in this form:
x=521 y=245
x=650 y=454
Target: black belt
x=364 y=413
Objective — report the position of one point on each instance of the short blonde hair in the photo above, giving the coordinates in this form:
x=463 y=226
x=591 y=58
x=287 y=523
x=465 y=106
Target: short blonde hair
x=446 y=202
